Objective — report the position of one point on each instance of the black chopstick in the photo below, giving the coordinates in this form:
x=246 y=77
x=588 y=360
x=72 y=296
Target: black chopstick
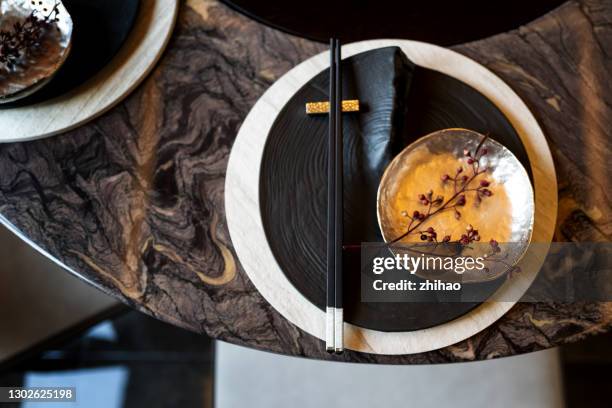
x=334 y=333
x=339 y=204
x=331 y=205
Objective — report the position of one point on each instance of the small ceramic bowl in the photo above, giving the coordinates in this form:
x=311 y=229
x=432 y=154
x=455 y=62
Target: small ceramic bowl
x=505 y=214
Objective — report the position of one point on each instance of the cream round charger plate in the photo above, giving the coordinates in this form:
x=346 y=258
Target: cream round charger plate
x=249 y=238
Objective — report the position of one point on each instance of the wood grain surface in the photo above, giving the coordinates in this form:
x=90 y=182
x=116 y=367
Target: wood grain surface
x=134 y=201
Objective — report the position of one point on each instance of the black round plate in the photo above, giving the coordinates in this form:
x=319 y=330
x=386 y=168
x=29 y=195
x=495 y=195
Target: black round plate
x=294 y=203
x=100 y=29
x=443 y=22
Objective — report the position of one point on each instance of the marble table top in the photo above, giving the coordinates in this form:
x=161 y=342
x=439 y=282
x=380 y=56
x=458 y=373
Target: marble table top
x=133 y=202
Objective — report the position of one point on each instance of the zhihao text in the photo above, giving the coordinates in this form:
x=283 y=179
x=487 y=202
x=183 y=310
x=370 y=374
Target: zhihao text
x=435 y=285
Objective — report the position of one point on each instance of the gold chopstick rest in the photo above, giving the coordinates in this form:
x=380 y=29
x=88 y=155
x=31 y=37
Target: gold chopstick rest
x=316 y=108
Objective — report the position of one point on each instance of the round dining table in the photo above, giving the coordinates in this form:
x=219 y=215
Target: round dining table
x=133 y=201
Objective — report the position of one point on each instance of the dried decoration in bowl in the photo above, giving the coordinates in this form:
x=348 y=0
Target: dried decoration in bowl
x=456 y=189
x=35 y=40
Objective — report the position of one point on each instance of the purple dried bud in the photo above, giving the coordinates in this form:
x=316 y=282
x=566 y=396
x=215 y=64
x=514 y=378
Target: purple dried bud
x=459 y=170
x=470 y=161
x=493 y=243
x=464 y=179
x=461 y=200
x=484 y=151
x=423 y=237
x=446 y=238
x=416 y=214
x=445 y=177
x=487 y=192
x=457 y=215
x=484 y=183
x=421 y=197
x=430 y=230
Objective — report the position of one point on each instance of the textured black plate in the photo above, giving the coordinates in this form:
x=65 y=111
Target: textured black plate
x=100 y=29
x=294 y=173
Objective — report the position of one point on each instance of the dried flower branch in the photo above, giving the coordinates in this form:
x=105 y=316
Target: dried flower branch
x=25 y=36
x=462 y=184
x=465 y=182
x=496 y=255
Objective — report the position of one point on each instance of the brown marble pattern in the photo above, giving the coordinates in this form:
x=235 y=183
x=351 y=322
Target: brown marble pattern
x=134 y=200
